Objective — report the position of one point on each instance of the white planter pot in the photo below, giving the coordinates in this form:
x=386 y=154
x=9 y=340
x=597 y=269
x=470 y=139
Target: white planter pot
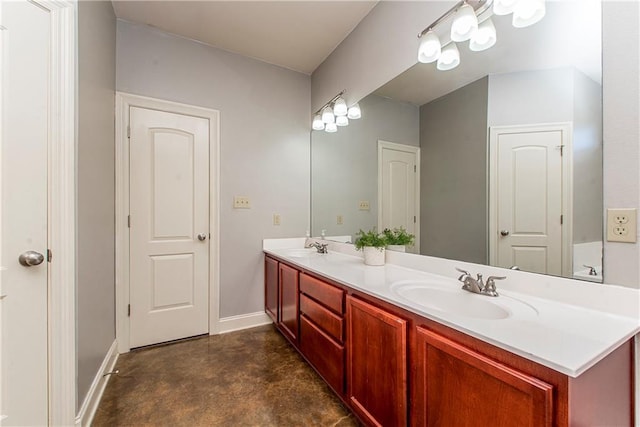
x=397 y=248
x=373 y=256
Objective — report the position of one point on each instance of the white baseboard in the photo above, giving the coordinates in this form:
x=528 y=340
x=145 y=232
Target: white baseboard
x=92 y=399
x=242 y=321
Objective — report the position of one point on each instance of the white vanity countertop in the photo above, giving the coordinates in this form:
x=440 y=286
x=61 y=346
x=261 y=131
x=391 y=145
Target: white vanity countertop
x=565 y=337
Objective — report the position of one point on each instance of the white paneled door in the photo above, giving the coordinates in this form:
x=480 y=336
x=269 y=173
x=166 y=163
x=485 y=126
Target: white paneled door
x=169 y=226
x=527 y=173
x=23 y=212
x=399 y=188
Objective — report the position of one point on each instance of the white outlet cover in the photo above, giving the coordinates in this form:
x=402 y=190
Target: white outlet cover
x=622 y=225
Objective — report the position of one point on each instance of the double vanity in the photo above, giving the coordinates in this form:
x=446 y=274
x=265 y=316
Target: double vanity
x=404 y=344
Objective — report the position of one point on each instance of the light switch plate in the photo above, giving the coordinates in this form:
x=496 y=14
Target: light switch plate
x=276 y=219
x=339 y=220
x=622 y=225
x=363 y=205
x=241 y=202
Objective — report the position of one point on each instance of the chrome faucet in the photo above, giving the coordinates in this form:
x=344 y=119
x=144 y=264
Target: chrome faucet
x=477 y=286
x=592 y=270
x=320 y=247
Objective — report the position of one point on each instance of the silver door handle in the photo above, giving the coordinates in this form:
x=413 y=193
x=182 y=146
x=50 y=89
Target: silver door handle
x=504 y=233
x=30 y=258
x=202 y=236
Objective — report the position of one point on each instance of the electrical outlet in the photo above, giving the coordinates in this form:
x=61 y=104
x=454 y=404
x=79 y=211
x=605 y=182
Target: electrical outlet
x=364 y=205
x=276 y=219
x=339 y=220
x=621 y=225
x=241 y=202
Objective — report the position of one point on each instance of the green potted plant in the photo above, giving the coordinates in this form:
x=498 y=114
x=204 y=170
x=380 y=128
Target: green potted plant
x=372 y=244
x=398 y=239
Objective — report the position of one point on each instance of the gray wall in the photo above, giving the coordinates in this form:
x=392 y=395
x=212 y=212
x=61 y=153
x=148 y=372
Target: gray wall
x=587 y=159
x=453 y=202
x=264 y=142
x=95 y=257
x=344 y=169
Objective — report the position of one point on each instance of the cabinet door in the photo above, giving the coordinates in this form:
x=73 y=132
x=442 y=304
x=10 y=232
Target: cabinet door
x=289 y=302
x=323 y=353
x=271 y=288
x=376 y=364
x=457 y=386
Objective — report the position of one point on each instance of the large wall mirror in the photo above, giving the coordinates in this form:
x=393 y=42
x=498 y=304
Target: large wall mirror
x=498 y=161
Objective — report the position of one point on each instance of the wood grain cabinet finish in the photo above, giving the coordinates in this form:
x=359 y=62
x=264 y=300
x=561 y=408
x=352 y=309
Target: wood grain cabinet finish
x=457 y=386
x=324 y=354
x=329 y=322
x=376 y=364
x=271 y=288
x=328 y=295
x=288 y=279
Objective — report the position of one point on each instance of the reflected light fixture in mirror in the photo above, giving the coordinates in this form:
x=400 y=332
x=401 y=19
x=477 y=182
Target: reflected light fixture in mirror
x=335 y=113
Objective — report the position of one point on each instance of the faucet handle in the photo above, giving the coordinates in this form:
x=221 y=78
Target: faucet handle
x=490 y=287
x=464 y=274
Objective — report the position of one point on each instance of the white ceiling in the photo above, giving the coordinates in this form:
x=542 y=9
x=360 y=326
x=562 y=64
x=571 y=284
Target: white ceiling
x=298 y=35
x=568 y=36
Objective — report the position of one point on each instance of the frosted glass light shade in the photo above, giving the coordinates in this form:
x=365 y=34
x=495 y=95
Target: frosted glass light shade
x=331 y=127
x=342 y=121
x=354 y=112
x=430 y=48
x=528 y=12
x=465 y=24
x=340 y=107
x=503 y=7
x=327 y=115
x=317 y=124
x=484 y=38
x=450 y=58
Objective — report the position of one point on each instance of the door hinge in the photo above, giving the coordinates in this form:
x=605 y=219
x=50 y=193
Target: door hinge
x=49 y=255
x=561 y=147
x=414 y=219
x=129 y=310
x=128 y=131
x=561 y=219
x=129 y=221
x=415 y=168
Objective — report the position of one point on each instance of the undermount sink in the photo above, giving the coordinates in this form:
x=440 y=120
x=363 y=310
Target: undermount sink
x=459 y=302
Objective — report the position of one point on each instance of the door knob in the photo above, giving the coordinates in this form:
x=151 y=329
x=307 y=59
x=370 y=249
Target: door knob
x=504 y=233
x=202 y=236
x=30 y=258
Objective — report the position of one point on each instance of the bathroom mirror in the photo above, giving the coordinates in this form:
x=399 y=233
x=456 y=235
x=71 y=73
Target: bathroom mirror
x=505 y=150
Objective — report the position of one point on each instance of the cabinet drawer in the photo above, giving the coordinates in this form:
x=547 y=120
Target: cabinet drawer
x=327 y=294
x=323 y=353
x=329 y=322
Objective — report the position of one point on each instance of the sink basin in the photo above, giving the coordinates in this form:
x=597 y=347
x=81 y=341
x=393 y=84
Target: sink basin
x=459 y=302
x=302 y=253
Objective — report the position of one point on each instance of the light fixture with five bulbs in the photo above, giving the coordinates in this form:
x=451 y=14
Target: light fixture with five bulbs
x=335 y=114
x=466 y=26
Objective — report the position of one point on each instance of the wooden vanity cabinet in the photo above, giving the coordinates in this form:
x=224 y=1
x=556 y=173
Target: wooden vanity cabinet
x=288 y=291
x=322 y=329
x=271 y=286
x=457 y=386
x=376 y=364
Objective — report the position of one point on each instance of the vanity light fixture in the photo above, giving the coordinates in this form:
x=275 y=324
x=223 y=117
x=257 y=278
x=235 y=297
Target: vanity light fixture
x=354 y=112
x=342 y=121
x=484 y=38
x=465 y=23
x=340 y=107
x=450 y=58
x=472 y=21
x=335 y=113
x=327 y=115
x=317 y=124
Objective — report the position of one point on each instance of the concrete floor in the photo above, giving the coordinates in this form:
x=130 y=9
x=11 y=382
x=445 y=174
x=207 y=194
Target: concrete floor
x=246 y=378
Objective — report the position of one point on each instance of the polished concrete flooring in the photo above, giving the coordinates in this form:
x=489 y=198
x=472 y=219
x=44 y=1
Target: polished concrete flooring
x=246 y=378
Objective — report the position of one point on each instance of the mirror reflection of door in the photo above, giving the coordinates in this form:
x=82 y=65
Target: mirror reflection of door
x=399 y=189
x=529 y=224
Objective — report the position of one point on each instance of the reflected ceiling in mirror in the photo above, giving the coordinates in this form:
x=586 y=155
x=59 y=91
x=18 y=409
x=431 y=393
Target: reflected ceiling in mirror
x=537 y=92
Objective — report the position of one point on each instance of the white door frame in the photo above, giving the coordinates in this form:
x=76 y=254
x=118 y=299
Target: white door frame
x=407 y=149
x=567 y=187
x=123 y=102
x=61 y=226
